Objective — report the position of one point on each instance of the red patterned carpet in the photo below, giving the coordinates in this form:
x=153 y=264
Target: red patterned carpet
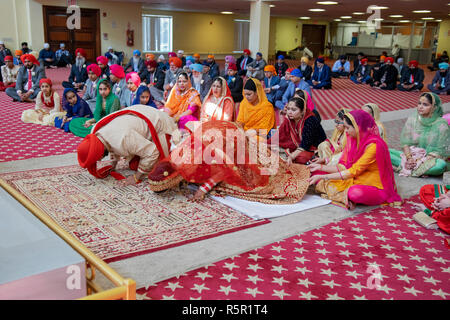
x=118 y=222
x=20 y=140
x=382 y=254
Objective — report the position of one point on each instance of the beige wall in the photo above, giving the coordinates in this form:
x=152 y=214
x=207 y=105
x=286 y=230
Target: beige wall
x=444 y=36
x=30 y=25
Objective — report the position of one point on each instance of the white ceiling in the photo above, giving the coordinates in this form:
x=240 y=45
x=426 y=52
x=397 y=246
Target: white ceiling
x=296 y=8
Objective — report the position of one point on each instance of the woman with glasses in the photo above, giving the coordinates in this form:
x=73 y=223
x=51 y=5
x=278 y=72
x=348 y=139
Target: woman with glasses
x=330 y=150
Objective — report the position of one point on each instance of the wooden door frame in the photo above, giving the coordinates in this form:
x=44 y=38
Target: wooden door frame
x=324 y=27
x=63 y=10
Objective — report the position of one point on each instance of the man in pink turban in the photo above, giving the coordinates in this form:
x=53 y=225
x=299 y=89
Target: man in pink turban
x=133 y=82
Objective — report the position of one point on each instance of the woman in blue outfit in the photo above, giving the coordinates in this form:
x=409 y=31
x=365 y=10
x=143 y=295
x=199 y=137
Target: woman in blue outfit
x=75 y=107
x=143 y=96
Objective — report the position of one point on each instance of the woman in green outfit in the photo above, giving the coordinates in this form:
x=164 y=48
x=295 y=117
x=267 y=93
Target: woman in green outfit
x=106 y=103
x=425 y=140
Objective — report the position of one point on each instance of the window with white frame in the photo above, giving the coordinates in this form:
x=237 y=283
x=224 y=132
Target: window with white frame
x=156 y=33
x=241 y=34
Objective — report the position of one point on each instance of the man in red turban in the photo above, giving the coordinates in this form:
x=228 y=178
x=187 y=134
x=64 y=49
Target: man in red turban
x=154 y=78
x=102 y=62
x=387 y=76
x=27 y=84
x=235 y=82
x=9 y=74
x=117 y=77
x=78 y=72
x=90 y=94
x=138 y=133
x=412 y=78
x=242 y=63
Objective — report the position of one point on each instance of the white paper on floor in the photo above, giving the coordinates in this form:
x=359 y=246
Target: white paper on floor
x=257 y=210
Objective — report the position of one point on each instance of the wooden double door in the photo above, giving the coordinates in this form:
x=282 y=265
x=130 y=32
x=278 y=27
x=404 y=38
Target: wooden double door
x=313 y=37
x=87 y=37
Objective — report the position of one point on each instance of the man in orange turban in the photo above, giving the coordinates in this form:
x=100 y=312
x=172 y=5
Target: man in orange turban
x=271 y=82
x=171 y=74
x=213 y=66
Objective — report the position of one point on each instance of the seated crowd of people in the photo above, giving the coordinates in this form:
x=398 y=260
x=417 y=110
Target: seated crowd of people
x=354 y=166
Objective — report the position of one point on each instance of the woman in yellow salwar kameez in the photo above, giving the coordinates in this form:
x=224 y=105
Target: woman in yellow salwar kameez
x=364 y=174
x=255 y=111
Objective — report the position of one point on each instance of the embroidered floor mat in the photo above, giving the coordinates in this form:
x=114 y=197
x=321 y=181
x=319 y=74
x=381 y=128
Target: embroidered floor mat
x=382 y=254
x=118 y=222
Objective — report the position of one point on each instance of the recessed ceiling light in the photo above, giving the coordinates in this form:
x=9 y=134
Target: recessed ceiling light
x=316 y=10
x=378 y=7
x=439 y=20
x=226 y=12
x=305 y=18
x=362 y=21
x=337 y=20
x=358 y=13
x=428 y=18
x=272 y=6
x=346 y=17
x=421 y=11
x=404 y=21
x=396 y=16
x=378 y=19
x=327 y=3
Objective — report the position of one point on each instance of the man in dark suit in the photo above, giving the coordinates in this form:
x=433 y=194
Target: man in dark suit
x=357 y=62
x=27 y=84
x=242 y=62
x=154 y=78
x=78 y=73
x=412 y=78
x=47 y=57
x=321 y=78
x=136 y=64
x=235 y=82
x=362 y=73
x=389 y=76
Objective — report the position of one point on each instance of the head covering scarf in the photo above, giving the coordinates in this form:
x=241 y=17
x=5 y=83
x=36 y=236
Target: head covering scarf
x=225 y=95
x=431 y=134
x=210 y=56
x=304 y=59
x=321 y=60
x=136 y=53
x=190 y=58
x=196 y=55
x=178 y=102
x=18 y=52
x=172 y=54
x=176 y=61
x=232 y=66
x=270 y=68
x=81 y=51
x=376 y=113
x=151 y=63
x=150 y=56
x=230 y=59
x=9 y=58
x=196 y=67
x=297 y=73
x=280 y=57
x=29 y=57
x=382 y=58
x=139 y=92
x=247 y=52
x=390 y=59
x=99 y=112
x=260 y=116
x=117 y=71
x=364 y=61
x=414 y=63
x=443 y=66
x=94 y=68
x=103 y=60
x=367 y=133
x=134 y=76
x=45 y=80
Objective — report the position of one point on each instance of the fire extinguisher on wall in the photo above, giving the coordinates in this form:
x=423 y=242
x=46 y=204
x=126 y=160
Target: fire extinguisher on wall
x=130 y=36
